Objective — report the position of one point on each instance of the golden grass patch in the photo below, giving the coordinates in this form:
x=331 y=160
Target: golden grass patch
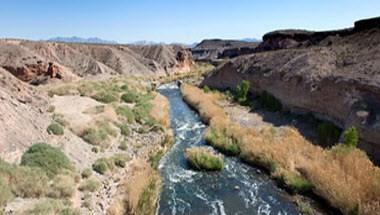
x=344 y=176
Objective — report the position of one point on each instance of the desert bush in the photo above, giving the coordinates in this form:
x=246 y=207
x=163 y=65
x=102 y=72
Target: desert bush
x=123 y=145
x=51 y=206
x=328 y=134
x=203 y=159
x=126 y=112
x=105 y=97
x=223 y=143
x=242 y=92
x=55 y=129
x=99 y=134
x=86 y=173
x=206 y=89
x=101 y=166
x=124 y=129
x=130 y=97
x=63 y=186
x=5 y=193
x=50 y=159
x=351 y=137
x=90 y=185
x=269 y=102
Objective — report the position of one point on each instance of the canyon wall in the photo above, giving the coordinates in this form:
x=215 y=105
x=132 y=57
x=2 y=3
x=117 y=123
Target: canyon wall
x=336 y=77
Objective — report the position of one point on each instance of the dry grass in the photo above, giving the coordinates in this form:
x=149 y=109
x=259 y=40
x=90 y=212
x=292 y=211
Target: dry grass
x=160 y=110
x=345 y=177
x=140 y=191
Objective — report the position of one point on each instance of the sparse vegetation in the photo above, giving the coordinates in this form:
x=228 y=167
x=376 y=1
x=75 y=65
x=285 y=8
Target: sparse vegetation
x=55 y=129
x=203 y=159
x=126 y=112
x=63 y=186
x=51 y=206
x=242 y=92
x=105 y=96
x=130 y=96
x=124 y=130
x=102 y=165
x=50 y=159
x=100 y=134
x=123 y=145
x=86 y=173
x=155 y=158
x=90 y=185
x=223 y=143
x=351 y=137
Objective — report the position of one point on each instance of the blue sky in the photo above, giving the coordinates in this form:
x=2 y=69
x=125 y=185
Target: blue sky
x=175 y=20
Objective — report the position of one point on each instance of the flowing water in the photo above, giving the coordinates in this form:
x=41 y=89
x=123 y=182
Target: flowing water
x=238 y=189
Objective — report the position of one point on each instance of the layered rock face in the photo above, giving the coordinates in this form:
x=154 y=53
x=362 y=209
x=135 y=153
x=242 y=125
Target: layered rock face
x=217 y=50
x=335 y=77
x=39 y=62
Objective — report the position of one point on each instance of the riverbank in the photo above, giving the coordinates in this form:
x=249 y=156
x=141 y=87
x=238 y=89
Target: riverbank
x=345 y=178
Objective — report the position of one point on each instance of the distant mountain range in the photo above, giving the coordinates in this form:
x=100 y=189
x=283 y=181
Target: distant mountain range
x=74 y=39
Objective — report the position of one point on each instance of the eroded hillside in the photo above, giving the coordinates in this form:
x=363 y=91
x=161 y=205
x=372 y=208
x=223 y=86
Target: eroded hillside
x=333 y=75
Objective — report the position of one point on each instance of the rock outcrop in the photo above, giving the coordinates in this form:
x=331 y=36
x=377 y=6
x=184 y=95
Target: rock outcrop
x=216 y=50
x=335 y=76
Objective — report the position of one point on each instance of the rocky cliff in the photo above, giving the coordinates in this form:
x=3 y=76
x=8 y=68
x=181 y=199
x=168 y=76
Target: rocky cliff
x=215 y=50
x=335 y=75
x=40 y=62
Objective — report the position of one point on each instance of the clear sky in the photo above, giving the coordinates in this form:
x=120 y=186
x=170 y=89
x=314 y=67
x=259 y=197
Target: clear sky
x=184 y=21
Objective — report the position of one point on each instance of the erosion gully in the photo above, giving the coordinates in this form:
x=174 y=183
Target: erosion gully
x=238 y=189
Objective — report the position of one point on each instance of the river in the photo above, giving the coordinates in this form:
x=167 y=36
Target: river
x=238 y=189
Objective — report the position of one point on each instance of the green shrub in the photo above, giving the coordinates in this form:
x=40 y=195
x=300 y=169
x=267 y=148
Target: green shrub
x=101 y=166
x=119 y=160
x=126 y=112
x=206 y=89
x=328 y=133
x=86 y=173
x=105 y=97
x=124 y=129
x=55 y=129
x=98 y=135
x=351 y=137
x=50 y=159
x=130 y=97
x=222 y=142
x=203 y=159
x=123 y=145
x=90 y=185
x=269 y=102
x=95 y=149
x=242 y=92
x=295 y=183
